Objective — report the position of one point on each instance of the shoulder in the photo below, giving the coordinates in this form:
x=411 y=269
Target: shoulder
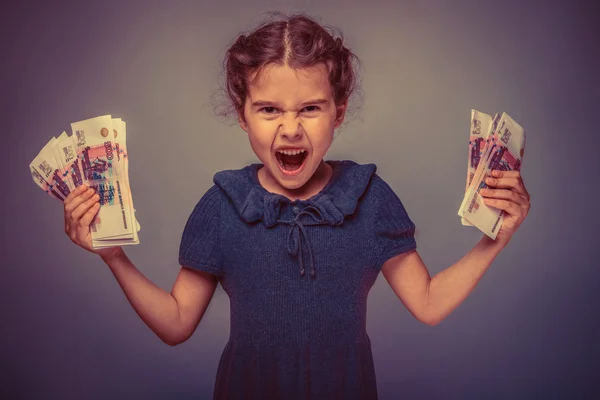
x=235 y=178
x=379 y=190
x=385 y=200
x=209 y=203
x=229 y=183
x=213 y=195
x=353 y=174
x=380 y=187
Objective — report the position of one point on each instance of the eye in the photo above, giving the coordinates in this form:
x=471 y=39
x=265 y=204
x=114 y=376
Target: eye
x=268 y=110
x=311 y=108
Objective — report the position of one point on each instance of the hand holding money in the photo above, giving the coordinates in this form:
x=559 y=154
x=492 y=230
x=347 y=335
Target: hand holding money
x=509 y=195
x=81 y=207
x=94 y=156
x=496 y=149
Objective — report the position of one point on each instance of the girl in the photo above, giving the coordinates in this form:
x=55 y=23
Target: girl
x=296 y=242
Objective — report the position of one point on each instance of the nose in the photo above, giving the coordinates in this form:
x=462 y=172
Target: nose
x=290 y=127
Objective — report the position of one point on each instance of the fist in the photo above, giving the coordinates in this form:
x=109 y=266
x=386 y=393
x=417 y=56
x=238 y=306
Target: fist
x=81 y=206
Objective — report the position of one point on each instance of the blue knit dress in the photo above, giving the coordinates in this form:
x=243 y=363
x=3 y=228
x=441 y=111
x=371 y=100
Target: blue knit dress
x=297 y=274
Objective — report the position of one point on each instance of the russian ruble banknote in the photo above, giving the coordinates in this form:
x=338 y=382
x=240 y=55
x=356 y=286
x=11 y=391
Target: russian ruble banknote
x=495 y=143
x=481 y=126
x=45 y=172
x=95 y=154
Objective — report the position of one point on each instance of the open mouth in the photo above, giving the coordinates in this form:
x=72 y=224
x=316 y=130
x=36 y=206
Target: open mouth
x=292 y=162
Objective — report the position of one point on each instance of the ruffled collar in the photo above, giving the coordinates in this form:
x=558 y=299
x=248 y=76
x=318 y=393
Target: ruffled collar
x=330 y=206
x=335 y=201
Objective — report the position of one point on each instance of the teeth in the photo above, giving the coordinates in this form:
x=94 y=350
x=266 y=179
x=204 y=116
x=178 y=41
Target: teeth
x=291 y=152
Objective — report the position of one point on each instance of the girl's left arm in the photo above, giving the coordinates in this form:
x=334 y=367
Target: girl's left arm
x=430 y=300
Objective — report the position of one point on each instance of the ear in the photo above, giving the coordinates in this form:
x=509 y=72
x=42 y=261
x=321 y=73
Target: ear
x=340 y=113
x=242 y=121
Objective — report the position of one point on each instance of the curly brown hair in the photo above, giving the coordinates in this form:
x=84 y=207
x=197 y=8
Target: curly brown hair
x=297 y=41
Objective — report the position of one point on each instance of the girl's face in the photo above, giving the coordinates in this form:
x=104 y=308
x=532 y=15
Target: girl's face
x=291 y=109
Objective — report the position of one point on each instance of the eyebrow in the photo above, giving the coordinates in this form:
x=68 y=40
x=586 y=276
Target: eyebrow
x=265 y=103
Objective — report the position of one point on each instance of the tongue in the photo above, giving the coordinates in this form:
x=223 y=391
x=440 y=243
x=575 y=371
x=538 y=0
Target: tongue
x=291 y=163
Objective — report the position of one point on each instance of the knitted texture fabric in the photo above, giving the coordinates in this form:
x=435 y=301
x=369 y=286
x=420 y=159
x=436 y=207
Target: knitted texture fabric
x=297 y=273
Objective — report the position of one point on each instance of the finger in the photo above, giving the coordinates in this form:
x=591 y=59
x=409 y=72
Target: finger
x=497 y=173
x=76 y=202
x=88 y=217
x=525 y=189
x=75 y=192
x=83 y=208
x=507 y=183
x=83 y=226
x=506 y=205
x=80 y=194
x=504 y=194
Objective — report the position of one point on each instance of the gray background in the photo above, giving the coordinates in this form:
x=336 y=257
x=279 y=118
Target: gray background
x=531 y=326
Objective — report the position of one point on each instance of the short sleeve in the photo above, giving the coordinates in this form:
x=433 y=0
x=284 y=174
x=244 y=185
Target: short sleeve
x=200 y=246
x=394 y=230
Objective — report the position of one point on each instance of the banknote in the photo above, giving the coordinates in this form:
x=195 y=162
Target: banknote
x=121 y=148
x=119 y=138
x=481 y=124
x=42 y=183
x=39 y=179
x=478 y=175
x=119 y=165
x=119 y=129
x=94 y=154
x=94 y=139
x=48 y=168
x=504 y=151
x=63 y=157
x=486 y=148
x=492 y=141
x=94 y=145
x=65 y=152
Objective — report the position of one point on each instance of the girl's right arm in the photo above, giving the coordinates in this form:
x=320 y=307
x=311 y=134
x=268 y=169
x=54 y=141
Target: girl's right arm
x=172 y=316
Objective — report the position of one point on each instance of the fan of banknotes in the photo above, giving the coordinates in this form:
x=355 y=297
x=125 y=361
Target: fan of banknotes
x=95 y=155
x=495 y=143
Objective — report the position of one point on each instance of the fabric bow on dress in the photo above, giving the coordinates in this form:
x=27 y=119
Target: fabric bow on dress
x=329 y=207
